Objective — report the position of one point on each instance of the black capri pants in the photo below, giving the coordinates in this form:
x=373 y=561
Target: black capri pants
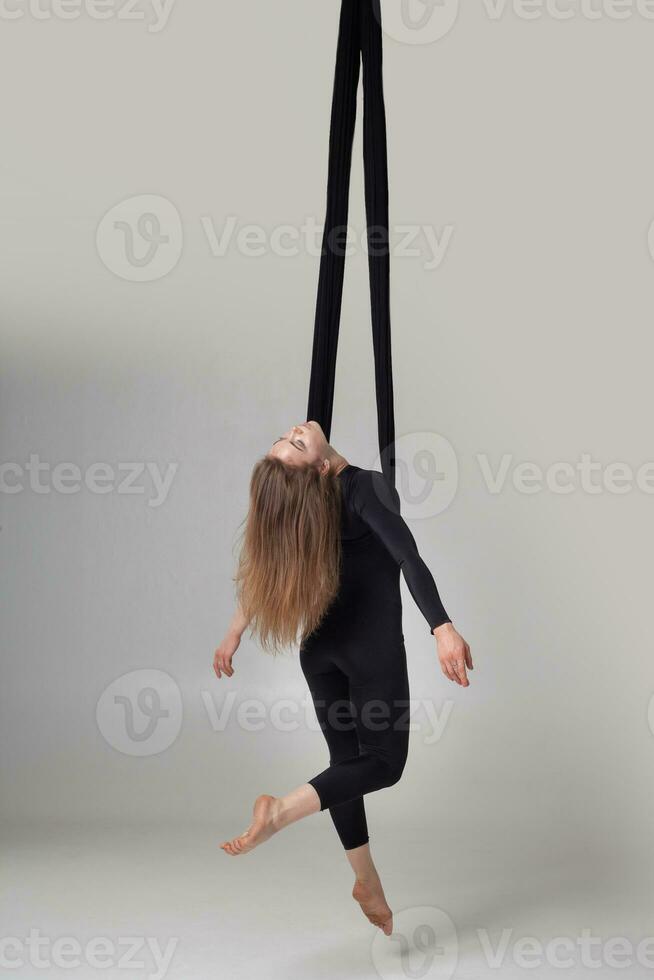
x=361 y=698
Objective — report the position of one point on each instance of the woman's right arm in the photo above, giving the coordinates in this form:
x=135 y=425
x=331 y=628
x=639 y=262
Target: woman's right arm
x=222 y=658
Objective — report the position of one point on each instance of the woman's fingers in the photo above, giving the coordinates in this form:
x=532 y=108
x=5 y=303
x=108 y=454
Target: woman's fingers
x=222 y=664
x=455 y=670
x=454 y=656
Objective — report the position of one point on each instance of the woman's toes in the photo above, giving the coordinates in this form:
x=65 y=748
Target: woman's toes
x=374 y=906
x=261 y=828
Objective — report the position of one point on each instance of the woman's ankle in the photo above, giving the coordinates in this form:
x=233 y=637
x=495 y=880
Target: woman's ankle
x=367 y=877
x=278 y=814
x=294 y=806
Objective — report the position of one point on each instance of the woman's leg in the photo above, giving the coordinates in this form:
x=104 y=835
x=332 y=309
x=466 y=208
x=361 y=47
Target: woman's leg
x=379 y=695
x=330 y=693
x=331 y=700
x=380 y=703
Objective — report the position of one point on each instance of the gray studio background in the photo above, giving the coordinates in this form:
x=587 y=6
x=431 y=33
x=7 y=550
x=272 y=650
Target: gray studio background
x=525 y=146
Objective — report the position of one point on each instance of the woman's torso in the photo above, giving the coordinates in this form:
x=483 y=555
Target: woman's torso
x=368 y=606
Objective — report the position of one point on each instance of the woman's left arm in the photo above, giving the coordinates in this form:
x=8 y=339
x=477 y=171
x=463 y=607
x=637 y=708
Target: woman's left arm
x=380 y=509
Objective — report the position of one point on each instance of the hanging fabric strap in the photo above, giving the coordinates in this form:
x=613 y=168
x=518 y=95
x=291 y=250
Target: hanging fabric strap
x=359 y=41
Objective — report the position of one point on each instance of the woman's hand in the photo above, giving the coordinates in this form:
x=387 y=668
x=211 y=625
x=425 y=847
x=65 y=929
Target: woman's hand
x=454 y=654
x=222 y=658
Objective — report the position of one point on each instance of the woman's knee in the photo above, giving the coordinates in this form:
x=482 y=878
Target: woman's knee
x=395 y=769
x=390 y=767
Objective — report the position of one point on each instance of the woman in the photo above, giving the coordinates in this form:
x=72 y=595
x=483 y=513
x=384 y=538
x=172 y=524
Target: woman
x=323 y=546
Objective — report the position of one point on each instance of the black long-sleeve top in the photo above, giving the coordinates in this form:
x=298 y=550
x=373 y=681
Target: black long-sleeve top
x=369 y=504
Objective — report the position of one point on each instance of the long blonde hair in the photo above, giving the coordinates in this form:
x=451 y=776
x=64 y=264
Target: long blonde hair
x=289 y=563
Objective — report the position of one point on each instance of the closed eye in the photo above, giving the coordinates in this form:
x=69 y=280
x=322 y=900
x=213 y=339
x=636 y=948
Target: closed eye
x=297 y=443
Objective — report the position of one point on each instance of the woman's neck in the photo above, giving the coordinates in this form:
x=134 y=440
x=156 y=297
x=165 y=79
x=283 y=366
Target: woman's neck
x=336 y=461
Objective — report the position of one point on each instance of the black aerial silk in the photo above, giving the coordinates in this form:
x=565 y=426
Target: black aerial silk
x=359 y=42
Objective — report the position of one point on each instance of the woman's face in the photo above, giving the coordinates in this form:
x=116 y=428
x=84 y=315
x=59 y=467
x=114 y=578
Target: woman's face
x=302 y=445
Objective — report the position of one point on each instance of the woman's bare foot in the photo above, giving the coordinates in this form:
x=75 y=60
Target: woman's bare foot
x=370 y=896
x=263 y=826
x=273 y=813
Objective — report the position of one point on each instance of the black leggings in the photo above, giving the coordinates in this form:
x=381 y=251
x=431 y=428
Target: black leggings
x=361 y=698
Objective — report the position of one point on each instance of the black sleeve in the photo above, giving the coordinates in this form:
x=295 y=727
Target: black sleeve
x=379 y=506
